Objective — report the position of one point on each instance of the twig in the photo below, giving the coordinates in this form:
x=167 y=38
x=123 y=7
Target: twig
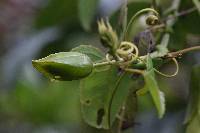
x=157 y=27
x=182 y=13
x=169 y=55
x=181 y=52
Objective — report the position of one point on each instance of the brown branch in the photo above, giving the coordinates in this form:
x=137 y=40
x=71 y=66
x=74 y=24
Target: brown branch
x=181 y=52
x=182 y=13
x=157 y=27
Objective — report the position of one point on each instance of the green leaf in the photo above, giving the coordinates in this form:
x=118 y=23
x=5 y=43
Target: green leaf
x=131 y=107
x=94 y=53
x=87 y=12
x=151 y=83
x=102 y=95
x=193 y=109
x=64 y=66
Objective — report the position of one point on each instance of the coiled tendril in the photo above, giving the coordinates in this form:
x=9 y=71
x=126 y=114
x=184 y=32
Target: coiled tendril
x=127 y=51
x=152 y=20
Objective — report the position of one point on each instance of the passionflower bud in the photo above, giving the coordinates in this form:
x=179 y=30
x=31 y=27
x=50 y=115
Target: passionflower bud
x=108 y=36
x=64 y=66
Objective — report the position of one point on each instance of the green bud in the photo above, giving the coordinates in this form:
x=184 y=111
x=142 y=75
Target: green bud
x=64 y=66
x=107 y=35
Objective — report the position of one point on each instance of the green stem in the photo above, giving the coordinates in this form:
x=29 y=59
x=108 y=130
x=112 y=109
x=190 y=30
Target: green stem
x=113 y=62
x=154 y=3
x=104 y=63
x=124 y=21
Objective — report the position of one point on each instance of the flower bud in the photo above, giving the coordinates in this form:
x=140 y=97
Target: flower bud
x=108 y=36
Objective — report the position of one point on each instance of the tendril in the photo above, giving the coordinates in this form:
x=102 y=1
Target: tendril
x=128 y=51
x=167 y=75
x=108 y=58
x=135 y=16
x=152 y=20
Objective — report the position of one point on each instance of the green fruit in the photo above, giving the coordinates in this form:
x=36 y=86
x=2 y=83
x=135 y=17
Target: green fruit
x=64 y=66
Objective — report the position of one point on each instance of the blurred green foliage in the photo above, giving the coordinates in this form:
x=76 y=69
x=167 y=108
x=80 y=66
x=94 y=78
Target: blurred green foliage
x=63 y=12
x=52 y=103
x=58 y=102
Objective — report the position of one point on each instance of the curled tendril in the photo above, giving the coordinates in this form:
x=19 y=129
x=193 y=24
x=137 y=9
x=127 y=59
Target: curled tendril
x=127 y=51
x=152 y=20
x=108 y=58
x=167 y=75
x=135 y=16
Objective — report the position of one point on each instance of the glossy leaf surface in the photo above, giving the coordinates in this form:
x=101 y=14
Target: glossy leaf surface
x=64 y=66
x=94 y=53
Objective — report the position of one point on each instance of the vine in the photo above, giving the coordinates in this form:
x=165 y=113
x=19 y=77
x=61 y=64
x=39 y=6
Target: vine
x=124 y=55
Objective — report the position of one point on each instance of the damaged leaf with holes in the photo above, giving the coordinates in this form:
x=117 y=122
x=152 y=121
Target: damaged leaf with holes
x=102 y=96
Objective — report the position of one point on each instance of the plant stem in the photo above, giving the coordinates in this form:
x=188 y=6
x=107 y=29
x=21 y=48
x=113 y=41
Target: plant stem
x=182 y=13
x=181 y=52
x=154 y=3
x=169 y=55
x=157 y=27
x=104 y=63
x=124 y=16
